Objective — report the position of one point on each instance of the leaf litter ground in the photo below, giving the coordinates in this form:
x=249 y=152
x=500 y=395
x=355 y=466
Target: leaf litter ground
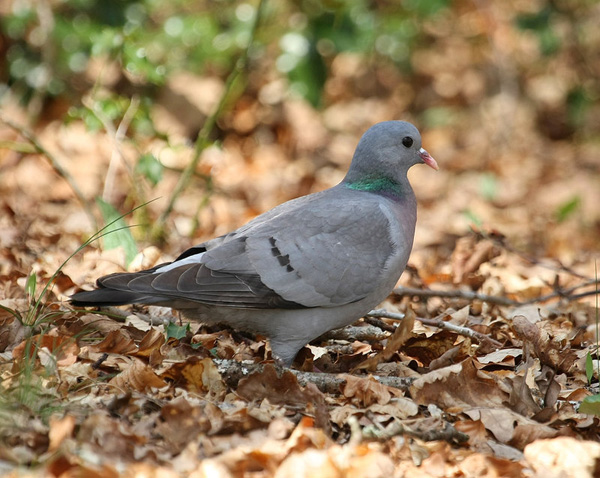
x=481 y=378
x=110 y=395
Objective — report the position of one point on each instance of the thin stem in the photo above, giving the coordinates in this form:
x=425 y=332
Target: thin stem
x=117 y=135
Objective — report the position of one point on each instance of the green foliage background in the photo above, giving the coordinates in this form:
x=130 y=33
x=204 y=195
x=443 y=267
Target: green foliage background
x=48 y=46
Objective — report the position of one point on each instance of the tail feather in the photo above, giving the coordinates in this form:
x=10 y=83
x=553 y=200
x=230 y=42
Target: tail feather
x=109 y=297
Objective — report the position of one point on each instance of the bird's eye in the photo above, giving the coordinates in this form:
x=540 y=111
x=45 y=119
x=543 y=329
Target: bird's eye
x=407 y=141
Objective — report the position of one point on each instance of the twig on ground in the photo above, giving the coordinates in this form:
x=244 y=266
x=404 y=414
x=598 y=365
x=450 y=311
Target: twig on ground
x=353 y=332
x=327 y=380
x=564 y=294
x=441 y=324
x=55 y=163
x=232 y=372
x=455 y=294
x=423 y=429
x=394 y=343
x=121 y=315
x=583 y=294
x=470 y=295
x=202 y=140
x=466 y=331
x=380 y=324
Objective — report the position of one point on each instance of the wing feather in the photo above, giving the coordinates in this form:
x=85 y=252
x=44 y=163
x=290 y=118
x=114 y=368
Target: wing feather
x=317 y=252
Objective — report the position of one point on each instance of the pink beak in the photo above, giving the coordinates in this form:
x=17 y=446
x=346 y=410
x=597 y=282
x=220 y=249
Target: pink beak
x=428 y=160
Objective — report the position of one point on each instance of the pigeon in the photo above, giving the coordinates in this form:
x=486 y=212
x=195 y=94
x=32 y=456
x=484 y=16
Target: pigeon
x=307 y=266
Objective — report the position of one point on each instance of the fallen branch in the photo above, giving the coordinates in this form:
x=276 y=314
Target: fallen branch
x=455 y=294
x=423 y=429
x=565 y=294
x=361 y=333
x=441 y=324
x=493 y=299
x=378 y=323
x=232 y=372
x=584 y=294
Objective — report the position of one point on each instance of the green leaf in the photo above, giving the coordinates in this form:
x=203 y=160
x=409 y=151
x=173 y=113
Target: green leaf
x=308 y=78
x=589 y=367
x=579 y=101
x=177 y=331
x=117 y=231
x=534 y=21
x=541 y=24
x=31 y=284
x=15 y=313
x=304 y=64
x=150 y=167
x=566 y=209
x=590 y=405
x=549 y=42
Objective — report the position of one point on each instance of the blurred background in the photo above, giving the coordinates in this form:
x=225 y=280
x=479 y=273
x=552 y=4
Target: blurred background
x=108 y=97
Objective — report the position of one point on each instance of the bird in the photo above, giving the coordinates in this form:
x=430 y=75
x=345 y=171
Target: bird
x=310 y=265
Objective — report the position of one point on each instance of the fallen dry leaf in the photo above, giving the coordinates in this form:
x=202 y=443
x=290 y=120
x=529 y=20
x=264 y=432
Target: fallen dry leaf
x=284 y=390
x=116 y=342
x=367 y=391
x=64 y=349
x=551 y=352
x=459 y=387
x=394 y=343
x=181 y=422
x=60 y=429
x=197 y=375
x=510 y=427
x=137 y=376
x=470 y=253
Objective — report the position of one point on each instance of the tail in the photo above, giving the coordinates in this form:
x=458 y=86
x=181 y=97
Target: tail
x=114 y=290
x=108 y=297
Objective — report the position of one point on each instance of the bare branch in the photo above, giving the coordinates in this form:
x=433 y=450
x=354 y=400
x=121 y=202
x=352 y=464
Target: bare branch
x=233 y=371
x=492 y=299
x=455 y=294
x=441 y=324
x=565 y=293
x=353 y=332
x=426 y=429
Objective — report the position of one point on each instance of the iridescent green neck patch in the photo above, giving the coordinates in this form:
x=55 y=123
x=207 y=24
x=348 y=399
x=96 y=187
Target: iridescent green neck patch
x=379 y=184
